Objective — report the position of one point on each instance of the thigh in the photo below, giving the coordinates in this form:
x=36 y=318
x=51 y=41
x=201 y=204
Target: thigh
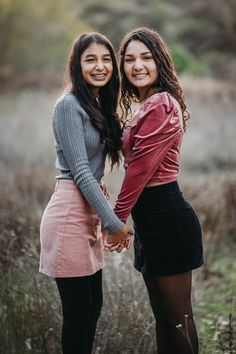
x=168 y=237
x=170 y=296
x=96 y=288
x=75 y=296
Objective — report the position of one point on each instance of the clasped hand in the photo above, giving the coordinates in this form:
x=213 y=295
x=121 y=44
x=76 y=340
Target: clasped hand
x=119 y=240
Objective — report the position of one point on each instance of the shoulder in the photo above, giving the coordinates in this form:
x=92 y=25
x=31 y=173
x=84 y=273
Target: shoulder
x=160 y=99
x=68 y=104
x=66 y=100
x=160 y=111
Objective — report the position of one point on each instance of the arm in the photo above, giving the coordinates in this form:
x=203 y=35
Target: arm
x=157 y=130
x=68 y=128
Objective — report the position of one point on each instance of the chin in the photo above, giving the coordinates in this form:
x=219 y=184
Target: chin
x=141 y=85
x=98 y=84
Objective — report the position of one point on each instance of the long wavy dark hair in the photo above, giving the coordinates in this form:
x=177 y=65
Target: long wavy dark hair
x=167 y=79
x=102 y=114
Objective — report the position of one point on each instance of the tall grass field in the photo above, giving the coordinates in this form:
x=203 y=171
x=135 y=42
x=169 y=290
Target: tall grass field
x=30 y=312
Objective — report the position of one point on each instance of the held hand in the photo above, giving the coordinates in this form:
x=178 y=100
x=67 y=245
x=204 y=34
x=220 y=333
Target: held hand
x=109 y=246
x=119 y=246
x=119 y=236
x=104 y=234
x=125 y=244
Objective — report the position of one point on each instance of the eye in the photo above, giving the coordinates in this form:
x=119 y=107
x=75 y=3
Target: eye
x=148 y=57
x=129 y=60
x=107 y=60
x=90 y=60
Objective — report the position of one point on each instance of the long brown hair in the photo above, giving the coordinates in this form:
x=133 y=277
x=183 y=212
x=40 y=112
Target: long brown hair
x=167 y=79
x=103 y=115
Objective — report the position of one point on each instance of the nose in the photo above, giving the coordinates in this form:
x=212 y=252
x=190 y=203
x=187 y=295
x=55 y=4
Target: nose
x=99 y=65
x=138 y=65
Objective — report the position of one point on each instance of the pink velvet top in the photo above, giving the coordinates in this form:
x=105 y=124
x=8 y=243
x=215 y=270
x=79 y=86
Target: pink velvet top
x=151 y=149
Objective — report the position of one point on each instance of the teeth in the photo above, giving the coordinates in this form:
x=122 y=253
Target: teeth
x=139 y=75
x=99 y=76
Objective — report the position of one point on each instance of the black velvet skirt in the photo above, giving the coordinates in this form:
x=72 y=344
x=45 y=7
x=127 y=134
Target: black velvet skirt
x=168 y=238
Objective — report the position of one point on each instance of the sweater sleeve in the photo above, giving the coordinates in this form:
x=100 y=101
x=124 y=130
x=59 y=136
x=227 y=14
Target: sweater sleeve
x=157 y=130
x=68 y=125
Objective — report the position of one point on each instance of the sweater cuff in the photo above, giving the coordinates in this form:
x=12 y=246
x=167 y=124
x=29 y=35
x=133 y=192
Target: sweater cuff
x=113 y=226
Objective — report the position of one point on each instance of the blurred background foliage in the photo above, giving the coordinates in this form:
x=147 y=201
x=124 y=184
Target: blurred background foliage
x=35 y=36
x=34 y=41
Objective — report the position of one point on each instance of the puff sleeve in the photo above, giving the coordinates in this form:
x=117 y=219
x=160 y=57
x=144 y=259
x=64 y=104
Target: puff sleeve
x=158 y=128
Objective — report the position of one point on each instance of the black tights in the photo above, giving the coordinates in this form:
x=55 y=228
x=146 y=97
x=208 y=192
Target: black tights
x=170 y=298
x=81 y=299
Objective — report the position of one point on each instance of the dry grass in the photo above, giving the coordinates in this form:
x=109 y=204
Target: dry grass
x=30 y=311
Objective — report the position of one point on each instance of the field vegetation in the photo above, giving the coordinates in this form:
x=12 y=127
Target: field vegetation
x=34 y=42
x=30 y=313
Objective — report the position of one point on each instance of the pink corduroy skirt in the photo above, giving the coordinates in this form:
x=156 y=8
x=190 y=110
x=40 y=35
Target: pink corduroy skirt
x=70 y=234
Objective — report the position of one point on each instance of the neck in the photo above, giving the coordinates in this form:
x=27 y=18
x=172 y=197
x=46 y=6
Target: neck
x=95 y=91
x=144 y=93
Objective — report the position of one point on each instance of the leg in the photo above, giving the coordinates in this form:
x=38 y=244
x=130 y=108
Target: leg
x=170 y=298
x=76 y=302
x=97 y=299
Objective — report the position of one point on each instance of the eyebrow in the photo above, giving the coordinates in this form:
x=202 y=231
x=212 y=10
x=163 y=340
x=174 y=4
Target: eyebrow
x=144 y=53
x=94 y=55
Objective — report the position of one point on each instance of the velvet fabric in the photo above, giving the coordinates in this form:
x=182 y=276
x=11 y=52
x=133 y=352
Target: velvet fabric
x=168 y=238
x=151 y=149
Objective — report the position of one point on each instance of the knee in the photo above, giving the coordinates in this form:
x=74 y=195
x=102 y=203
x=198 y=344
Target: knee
x=98 y=305
x=174 y=321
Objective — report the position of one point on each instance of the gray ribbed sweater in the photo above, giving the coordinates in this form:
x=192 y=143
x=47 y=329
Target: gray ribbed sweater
x=80 y=156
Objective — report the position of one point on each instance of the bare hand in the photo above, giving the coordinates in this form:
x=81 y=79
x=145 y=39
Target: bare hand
x=119 y=236
x=120 y=246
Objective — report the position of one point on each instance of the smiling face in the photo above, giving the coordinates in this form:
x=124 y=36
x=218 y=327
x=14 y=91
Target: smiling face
x=140 y=67
x=96 y=66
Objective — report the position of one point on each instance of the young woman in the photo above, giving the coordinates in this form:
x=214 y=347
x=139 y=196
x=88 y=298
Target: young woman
x=168 y=243
x=86 y=130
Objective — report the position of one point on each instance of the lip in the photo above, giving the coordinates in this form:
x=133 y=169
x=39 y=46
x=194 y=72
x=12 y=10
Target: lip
x=99 y=77
x=140 y=76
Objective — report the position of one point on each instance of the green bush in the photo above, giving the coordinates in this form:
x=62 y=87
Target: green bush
x=185 y=62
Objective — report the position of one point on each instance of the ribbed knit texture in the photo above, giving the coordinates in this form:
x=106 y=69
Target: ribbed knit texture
x=81 y=157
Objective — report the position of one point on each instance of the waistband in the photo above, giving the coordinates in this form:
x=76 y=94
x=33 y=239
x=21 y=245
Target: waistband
x=68 y=184
x=65 y=184
x=163 y=188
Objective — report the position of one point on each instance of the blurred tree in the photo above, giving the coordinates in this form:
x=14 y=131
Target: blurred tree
x=115 y=18
x=207 y=29
x=209 y=25
x=34 y=36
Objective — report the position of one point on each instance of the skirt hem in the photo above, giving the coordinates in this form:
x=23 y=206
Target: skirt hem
x=166 y=273
x=72 y=274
